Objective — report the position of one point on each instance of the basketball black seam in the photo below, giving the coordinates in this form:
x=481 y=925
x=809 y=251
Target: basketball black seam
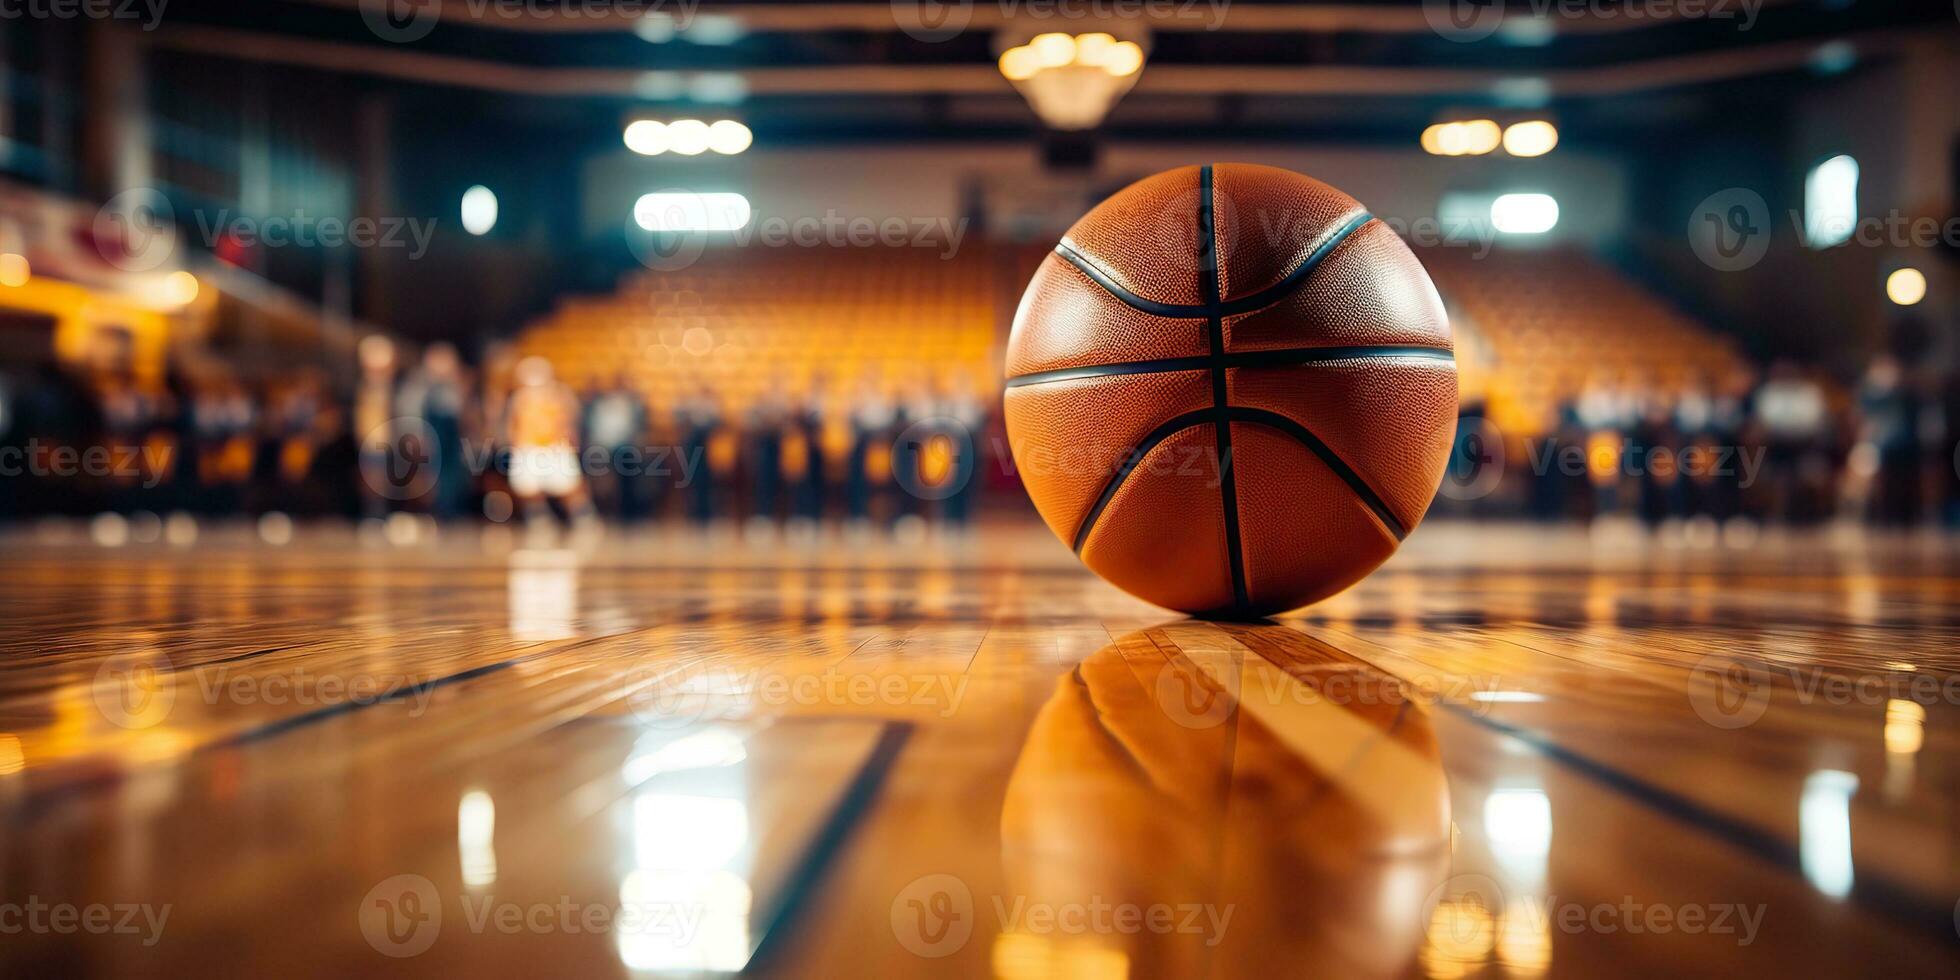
x=1245 y=304
x=1333 y=461
x=1256 y=416
x=1286 y=357
x=1130 y=462
x=1228 y=493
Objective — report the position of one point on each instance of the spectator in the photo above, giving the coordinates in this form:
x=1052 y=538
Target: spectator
x=542 y=430
x=437 y=393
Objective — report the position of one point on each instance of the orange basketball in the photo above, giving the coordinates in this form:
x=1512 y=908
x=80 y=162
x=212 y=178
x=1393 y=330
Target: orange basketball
x=1231 y=390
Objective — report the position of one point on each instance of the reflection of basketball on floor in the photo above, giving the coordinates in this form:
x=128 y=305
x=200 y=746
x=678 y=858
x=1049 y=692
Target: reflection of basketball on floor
x=1231 y=389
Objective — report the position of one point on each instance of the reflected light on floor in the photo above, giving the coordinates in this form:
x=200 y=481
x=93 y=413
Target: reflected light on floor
x=692 y=912
x=1518 y=824
x=1506 y=697
x=1524 y=942
x=476 y=827
x=692 y=832
x=1905 y=733
x=1460 y=938
x=11 y=758
x=702 y=750
x=1905 y=726
x=543 y=603
x=684 y=921
x=1023 y=956
x=1824 y=819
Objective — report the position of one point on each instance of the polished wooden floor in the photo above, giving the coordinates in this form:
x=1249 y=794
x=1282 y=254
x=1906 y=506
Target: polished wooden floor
x=1513 y=752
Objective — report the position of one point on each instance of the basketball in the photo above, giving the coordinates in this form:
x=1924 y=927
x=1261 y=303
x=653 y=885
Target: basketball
x=1231 y=390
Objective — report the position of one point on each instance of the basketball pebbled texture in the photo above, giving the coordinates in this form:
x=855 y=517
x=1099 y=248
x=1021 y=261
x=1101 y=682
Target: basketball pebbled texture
x=1231 y=390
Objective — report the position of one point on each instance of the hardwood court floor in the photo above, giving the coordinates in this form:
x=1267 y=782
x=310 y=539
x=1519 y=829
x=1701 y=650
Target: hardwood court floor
x=1512 y=752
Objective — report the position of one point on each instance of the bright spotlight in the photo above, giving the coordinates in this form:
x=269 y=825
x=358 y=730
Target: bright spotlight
x=1905 y=287
x=14 y=270
x=177 y=289
x=1019 y=63
x=683 y=211
x=647 y=137
x=1533 y=138
x=655 y=28
x=1481 y=136
x=479 y=210
x=729 y=137
x=1524 y=214
x=687 y=137
x=1124 y=58
x=1830 y=202
x=1055 y=49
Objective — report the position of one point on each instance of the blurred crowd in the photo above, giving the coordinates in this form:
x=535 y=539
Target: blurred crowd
x=506 y=440
x=1786 y=445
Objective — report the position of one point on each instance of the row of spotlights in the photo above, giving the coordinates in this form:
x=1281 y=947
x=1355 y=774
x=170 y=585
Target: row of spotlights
x=687 y=137
x=1058 y=50
x=1476 y=137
